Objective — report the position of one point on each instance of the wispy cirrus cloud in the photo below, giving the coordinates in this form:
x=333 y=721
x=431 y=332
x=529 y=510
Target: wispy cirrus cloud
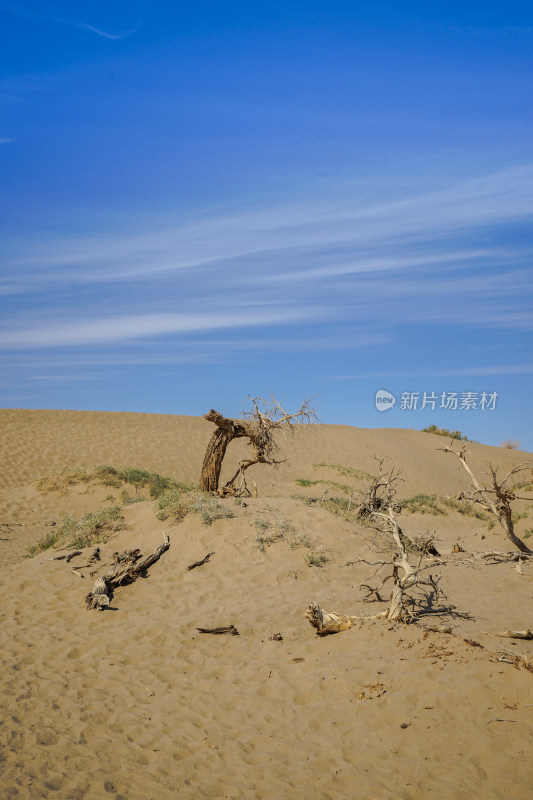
x=320 y=238
x=70 y=23
x=435 y=258
x=99 y=330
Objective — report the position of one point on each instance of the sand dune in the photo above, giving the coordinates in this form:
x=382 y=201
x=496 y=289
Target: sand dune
x=135 y=703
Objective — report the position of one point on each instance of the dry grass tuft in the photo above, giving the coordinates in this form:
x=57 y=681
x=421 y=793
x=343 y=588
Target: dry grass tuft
x=105 y=475
x=179 y=501
x=91 y=529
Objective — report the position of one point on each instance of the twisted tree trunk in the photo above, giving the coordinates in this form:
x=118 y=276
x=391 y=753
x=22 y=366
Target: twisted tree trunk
x=258 y=426
x=225 y=432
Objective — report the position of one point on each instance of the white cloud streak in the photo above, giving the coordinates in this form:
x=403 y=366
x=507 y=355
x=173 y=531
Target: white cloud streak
x=278 y=234
x=74 y=24
x=121 y=328
x=429 y=258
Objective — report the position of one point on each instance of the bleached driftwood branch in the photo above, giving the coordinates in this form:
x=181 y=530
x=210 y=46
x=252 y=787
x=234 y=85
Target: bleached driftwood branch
x=327 y=622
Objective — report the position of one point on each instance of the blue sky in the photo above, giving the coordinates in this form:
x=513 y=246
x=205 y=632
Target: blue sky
x=201 y=201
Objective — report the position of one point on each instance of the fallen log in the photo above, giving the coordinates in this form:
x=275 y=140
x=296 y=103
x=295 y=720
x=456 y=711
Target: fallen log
x=127 y=569
x=231 y=629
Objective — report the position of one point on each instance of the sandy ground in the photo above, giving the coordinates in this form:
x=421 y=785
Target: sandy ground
x=135 y=703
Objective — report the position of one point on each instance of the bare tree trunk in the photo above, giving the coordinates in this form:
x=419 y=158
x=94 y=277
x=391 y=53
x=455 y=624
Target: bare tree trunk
x=396 y=603
x=226 y=431
x=216 y=450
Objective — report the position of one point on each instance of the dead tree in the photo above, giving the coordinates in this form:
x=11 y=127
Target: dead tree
x=402 y=607
x=405 y=577
x=496 y=498
x=259 y=425
x=380 y=494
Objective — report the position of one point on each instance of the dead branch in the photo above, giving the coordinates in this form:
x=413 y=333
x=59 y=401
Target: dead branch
x=231 y=629
x=497 y=557
x=516 y=659
x=527 y=634
x=324 y=493
x=201 y=562
x=127 y=568
x=500 y=506
x=67 y=556
x=373 y=595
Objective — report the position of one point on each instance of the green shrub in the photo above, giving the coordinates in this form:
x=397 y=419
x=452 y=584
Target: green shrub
x=445 y=432
x=316 y=560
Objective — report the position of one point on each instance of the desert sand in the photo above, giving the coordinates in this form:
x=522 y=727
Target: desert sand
x=134 y=703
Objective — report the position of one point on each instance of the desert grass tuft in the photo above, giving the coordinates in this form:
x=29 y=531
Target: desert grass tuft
x=90 y=529
x=437 y=505
x=316 y=560
x=106 y=475
x=445 y=432
x=273 y=529
x=347 y=472
x=343 y=487
x=423 y=504
x=180 y=500
x=277 y=528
